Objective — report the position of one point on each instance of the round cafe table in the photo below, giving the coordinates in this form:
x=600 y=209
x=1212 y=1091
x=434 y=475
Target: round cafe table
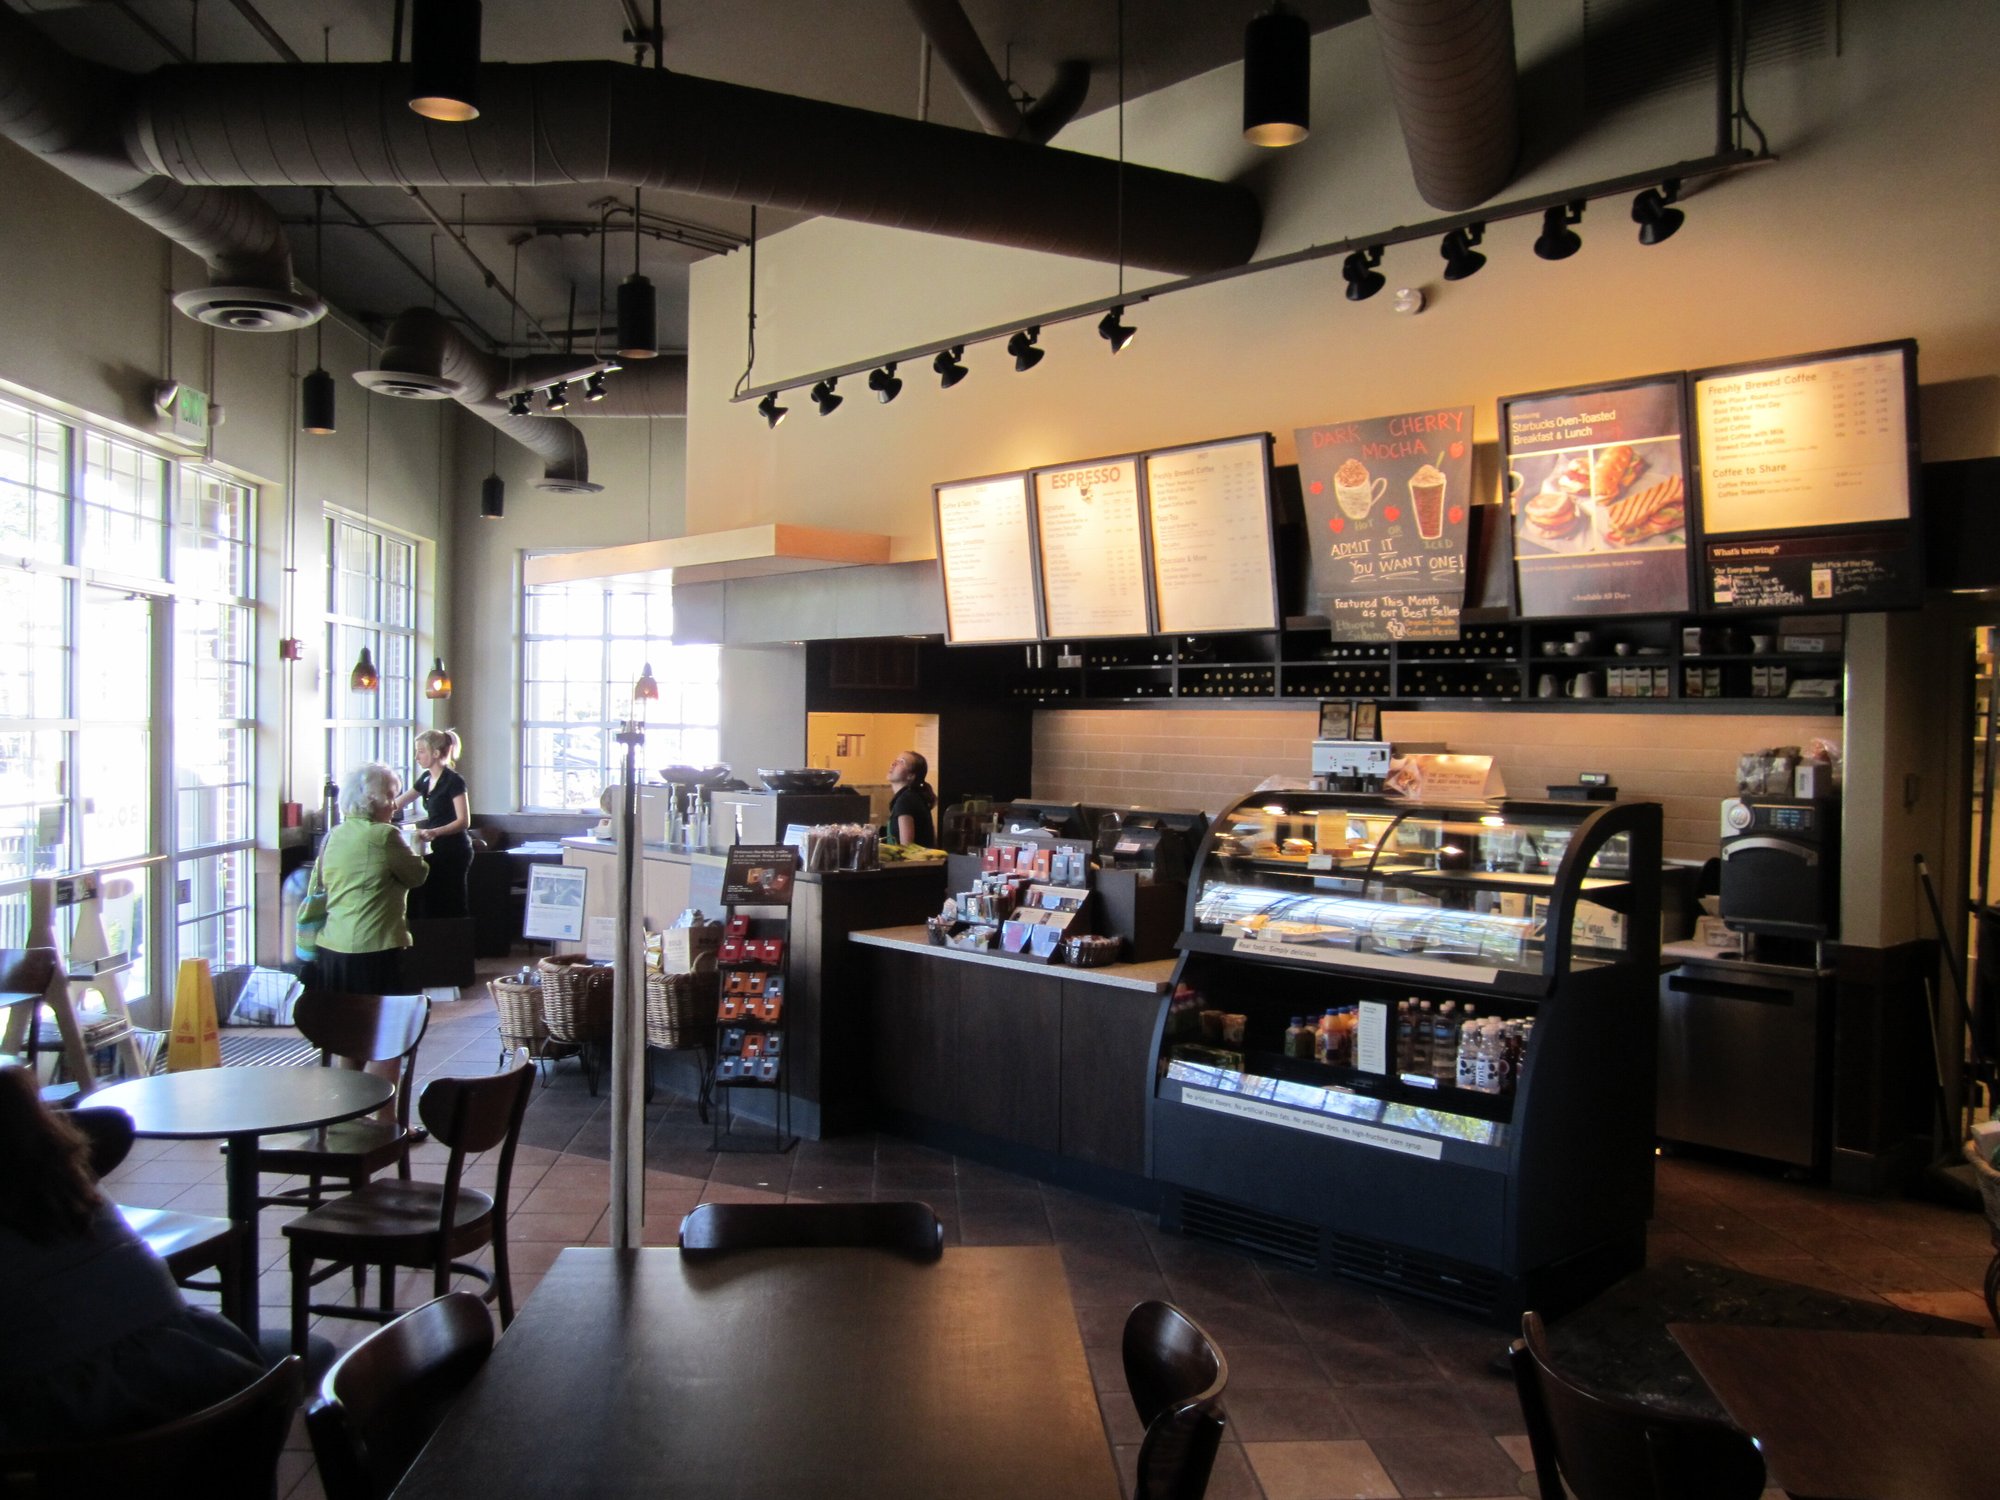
x=237 y=1105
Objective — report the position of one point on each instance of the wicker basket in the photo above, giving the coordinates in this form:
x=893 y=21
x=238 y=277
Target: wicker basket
x=576 y=999
x=681 y=1007
x=519 y=1003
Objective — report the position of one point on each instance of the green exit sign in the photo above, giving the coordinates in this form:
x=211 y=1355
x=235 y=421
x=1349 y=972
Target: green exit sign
x=188 y=416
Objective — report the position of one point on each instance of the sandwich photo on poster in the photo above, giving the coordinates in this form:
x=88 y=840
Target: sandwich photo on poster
x=1386 y=502
x=1597 y=480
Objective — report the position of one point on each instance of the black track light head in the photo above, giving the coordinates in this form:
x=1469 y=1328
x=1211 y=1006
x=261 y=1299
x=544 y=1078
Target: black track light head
x=1557 y=240
x=1277 y=79
x=316 y=402
x=1363 y=280
x=593 y=386
x=492 y=498
x=770 y=411
x=949 y=371
x=884 y=384
x=1024 y=349
x=444 y=60
x=520 y=404
x=559 y=396
x=1460 y=259
x=823 y=396
x=1114 y=330
x=1656 y=221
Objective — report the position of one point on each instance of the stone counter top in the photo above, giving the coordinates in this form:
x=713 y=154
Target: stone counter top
x=1152 y=977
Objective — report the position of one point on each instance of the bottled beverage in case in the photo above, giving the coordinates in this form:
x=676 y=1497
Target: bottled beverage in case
x=1298 y=1042
x=1444 y=1041
x=1405 y=1022
x=1323 y=1043
x=1469 y=1041
x=1420 y=1039
x=1489 y=1071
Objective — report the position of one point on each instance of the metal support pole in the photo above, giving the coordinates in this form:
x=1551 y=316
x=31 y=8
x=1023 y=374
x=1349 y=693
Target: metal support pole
x=628 y=1017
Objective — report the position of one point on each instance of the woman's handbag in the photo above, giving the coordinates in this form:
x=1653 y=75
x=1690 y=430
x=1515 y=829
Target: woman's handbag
x=311 y=919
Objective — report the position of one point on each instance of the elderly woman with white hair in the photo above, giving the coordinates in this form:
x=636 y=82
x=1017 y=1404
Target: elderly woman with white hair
x=368 y=873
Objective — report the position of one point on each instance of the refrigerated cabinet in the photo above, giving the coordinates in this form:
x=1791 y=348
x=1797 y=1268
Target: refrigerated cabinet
x=1531 y=1188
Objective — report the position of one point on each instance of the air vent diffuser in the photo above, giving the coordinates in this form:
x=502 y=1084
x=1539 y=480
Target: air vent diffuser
x=408 y=384
x=250 y=309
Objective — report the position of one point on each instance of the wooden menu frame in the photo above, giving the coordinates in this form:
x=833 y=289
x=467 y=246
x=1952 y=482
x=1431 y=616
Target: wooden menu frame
x=1164 y=624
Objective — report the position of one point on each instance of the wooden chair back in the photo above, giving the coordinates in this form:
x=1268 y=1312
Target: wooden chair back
x=110 y=1134
x=353 y=1030
x=910 y=1228
x=471 y=1115
x=27 y=971
x=1176 y=1377
x=379 y=1403
x=228 y=1451
x=1607 y=1448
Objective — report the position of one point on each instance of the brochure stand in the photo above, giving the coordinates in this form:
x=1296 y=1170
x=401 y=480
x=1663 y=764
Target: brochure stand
x=750 y=1010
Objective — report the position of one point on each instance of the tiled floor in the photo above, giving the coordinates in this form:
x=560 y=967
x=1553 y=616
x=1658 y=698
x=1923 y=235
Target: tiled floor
x=1333 y=1391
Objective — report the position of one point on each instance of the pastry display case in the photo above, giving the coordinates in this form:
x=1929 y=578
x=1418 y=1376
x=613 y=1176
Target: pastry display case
x=1430 y=1027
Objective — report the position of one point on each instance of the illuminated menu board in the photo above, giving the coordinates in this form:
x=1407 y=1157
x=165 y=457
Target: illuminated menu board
x=1208 y=511
x=1807 y=471
x=986 y=555
x=1090 y=535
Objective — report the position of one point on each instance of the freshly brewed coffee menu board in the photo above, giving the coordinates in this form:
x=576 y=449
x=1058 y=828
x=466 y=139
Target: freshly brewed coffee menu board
x=1807 y=481
x=1209 y=521
x=1091 y=538
x=986 y=556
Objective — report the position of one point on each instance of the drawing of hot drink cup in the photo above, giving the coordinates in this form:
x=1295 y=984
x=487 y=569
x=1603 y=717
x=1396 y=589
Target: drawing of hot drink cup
x=1355 y=491
x=1427 y=502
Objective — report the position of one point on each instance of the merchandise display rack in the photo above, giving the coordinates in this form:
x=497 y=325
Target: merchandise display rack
x=750 y=1052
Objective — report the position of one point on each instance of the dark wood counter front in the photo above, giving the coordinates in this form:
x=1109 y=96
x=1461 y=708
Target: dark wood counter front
x=1040 y=1068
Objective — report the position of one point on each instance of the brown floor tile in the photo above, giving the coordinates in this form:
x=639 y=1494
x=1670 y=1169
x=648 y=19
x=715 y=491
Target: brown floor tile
x=1288 y=1415
x=1266 y=1366
x=1320 y=1471
x=1441 y=1464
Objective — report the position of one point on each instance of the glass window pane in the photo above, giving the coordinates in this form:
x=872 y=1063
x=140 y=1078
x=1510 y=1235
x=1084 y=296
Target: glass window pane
x=212 y=660
x=34 y=660
x=34 y=832
x=34 y=484
x=124 y=508
x=212 y=782
x=212 y=533
x=126 y=898
x=117 y=807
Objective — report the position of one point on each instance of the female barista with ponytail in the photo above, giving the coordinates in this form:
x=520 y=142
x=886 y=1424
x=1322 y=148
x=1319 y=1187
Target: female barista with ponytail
x=910 y=807
x=443 y=835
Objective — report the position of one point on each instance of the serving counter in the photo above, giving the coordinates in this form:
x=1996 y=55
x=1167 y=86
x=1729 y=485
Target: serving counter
x=1039 y=1067
x=826 y=1014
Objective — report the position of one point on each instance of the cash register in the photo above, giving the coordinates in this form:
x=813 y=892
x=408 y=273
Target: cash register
x=1158 y=844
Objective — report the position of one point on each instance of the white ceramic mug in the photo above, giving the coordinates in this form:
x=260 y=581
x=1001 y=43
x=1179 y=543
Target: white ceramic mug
x=1548 y=687
x=1583 y=685
x=1358 y=499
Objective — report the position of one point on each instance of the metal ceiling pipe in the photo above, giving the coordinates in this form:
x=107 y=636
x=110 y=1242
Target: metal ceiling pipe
x=644 y=388
x=955 y=44
x=345 y=125
x=425 y=357
x=1453 y=80
x=66 y=110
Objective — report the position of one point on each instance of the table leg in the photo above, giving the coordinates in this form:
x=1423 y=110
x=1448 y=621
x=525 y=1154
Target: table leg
x=240 y=1174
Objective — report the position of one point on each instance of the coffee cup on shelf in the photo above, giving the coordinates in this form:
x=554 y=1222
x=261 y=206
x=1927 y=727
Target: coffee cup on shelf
x=1548 y=687
x=1583 y=685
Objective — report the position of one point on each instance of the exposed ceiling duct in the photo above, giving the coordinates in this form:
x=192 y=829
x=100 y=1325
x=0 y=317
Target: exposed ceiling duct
x=345 y=125
x=957 y=46
x=1452 y=76
x=644 y=388
x=67 y=110
x=424 y=358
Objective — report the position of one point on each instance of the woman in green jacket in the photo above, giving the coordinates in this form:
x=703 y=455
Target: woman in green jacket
x=368 y=872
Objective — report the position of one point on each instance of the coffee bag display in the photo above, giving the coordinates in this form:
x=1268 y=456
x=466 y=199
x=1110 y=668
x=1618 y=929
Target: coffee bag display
x=1597 y=478
x=1386 y=506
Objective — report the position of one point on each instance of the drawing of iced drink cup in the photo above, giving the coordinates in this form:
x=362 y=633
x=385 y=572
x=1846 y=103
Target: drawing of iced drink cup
x=1427 y=502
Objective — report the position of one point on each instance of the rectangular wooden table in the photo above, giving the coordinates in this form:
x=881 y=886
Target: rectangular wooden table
x=782 y=1373
x=1858 y=1416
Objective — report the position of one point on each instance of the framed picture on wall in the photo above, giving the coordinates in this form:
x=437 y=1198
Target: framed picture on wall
x=1336 y=719
x=1367 y=720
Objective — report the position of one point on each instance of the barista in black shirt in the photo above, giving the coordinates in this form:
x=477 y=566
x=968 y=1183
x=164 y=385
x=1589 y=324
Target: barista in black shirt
x=443 y=833
x=910 y=807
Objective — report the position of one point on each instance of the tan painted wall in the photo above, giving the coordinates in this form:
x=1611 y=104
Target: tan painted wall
x=1208 y=758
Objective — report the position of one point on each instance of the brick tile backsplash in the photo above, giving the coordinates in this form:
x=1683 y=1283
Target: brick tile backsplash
x=1207 y=758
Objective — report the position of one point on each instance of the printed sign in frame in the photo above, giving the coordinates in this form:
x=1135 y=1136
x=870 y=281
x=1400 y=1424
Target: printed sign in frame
x=1211 y=538
x=1090 y=549
x=986 y=560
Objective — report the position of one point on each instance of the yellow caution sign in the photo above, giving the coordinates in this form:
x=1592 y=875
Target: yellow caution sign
x=194 y=1043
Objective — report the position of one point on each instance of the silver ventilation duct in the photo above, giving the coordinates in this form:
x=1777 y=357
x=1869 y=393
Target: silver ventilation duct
x=1452 y=76
x=957 y=46
x=424 y=358
x=346 y=125
x=66 y=110
x=644 y=388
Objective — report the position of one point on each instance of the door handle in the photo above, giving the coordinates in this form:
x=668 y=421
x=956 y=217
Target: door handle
x=1805 y=854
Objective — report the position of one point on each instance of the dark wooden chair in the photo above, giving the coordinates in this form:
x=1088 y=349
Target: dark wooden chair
x=228 y=1451
x=1607 y=1448
x=26 y=975
x=380 y=1401
x=422 y=1225
x=189 y=1243
x=351 y=1031
x=910 y=1229
x=1176 y=1376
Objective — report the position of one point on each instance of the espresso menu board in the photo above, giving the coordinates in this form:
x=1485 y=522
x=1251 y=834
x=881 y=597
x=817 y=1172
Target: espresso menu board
x=1091 y=539
x=1597 y=478
x=987 y=558
x=1808 y=481
x=1208 y=511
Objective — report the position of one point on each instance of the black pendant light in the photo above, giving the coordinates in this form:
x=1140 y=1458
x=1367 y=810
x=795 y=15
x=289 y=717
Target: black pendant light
x=444 y=59
x=364 y=678
x=492 y=498
x=638 y=324
x=438 y=683
x=1277 y=79
x=647 y=688
x=316 y=398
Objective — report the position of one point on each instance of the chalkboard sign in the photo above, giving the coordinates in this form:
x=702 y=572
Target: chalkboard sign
x=1394 y=617
x=1807 y=468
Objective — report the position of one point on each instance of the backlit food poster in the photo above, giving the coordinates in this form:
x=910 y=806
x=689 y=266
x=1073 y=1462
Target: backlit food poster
x=986 y=558
x=1386 y=504
x=1597 y=479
